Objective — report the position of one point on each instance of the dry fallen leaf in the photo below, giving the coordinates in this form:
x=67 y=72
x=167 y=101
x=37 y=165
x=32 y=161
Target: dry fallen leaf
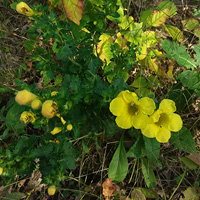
x=108 y=188
x=195 y=158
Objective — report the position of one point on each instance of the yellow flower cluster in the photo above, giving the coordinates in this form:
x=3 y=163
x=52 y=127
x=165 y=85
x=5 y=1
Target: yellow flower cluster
x=141 y=114
x=49 y=109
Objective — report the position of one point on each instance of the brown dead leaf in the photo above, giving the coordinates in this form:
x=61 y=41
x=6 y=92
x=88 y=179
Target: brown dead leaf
x=108 y=188
x=195 y=158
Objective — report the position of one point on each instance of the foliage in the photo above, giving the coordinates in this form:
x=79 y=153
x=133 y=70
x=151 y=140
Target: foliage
x=86 y=67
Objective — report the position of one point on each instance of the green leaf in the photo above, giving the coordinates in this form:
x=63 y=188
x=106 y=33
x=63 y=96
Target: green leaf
x=190 y=24
x=174 y=32
x=148 y=173
x=139 y=82
x=190 y=194
x=136 y=150
x=152 y=149
x=118 y=167
x=174 y=51
x=168 y=4
x=190 y=79
x=197 y=55
x=58 y=79
x=184 y=141
x=94 y=64
x=188 y=163
x=197 y=32
x=74 y=10
x=14 y=196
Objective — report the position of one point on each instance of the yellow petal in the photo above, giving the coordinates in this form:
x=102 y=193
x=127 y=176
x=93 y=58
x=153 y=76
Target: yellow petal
x=147 y=105
x=150 y=130
x=129 y=97
x=62 y=120
x=123 y=121
x=56 y=130
x=163 y=135
x=117 y=106
x=175 y=122
x=156 y=115
x=27 y=117
x=140 y=120
x=24 y=9
x=167 y=106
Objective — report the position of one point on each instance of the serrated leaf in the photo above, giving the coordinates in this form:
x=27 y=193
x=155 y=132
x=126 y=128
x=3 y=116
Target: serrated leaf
x=74 y=10
x=94 y=64
x=139 y=82
x=149 y=38
x=29 y=45
x=174 y=51
x=118 y=167
x=174 y=32
x=14 y=196
x=152 y=149
x=184 y=141
x=158 y=18
x=197 y=55
x=58 y=79
x=190 y=24
x=148 y=173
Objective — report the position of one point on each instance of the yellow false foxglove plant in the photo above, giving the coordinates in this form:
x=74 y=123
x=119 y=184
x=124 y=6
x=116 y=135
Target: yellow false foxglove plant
x=24 y=9
x=130 y=111
x=49 y=108
x=163 y=121
x=27 y=117
x=56 y=130
x=51 y=190
x=36 y=104
x=25 y=97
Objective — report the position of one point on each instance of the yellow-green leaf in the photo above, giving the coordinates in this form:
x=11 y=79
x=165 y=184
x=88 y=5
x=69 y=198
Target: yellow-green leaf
x=149 y=38
x=174 y=32
x=158 y=18
x=197 y=31
x=121 y=41
x=74 y=10
x=104 y=48
x=190 y=24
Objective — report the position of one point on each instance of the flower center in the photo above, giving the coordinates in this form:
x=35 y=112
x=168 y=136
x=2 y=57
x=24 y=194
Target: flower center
x=132 y=109
x=162 y=120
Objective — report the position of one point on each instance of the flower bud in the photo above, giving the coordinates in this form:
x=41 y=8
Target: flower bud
x=69 y=127
x=24 y=9
x=51 y=190
x=25 y=97
x=49 y=108
x=36 y=104
x=56 y=130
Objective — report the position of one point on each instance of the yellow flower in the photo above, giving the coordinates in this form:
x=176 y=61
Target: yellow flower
x=56 y=130
x=49 y=108
x=1 y=170
x=36 y=104
x=25 y=97
x=163 y=121
x=130 y=111
x=27 y=117
x=54 y=93
x=24 y=9
x=69 y=127
x=51 y=190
